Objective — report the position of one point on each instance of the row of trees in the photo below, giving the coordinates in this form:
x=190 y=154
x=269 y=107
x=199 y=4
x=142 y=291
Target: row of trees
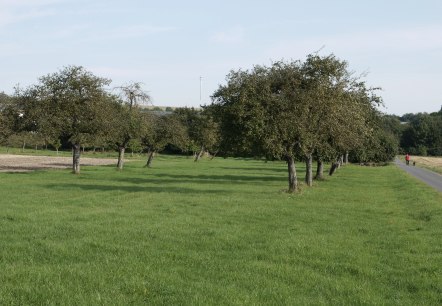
x=315 y=109
x=76 y=107
x=300 y=110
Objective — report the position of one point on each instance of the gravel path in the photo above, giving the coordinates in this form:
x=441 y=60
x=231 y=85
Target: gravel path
x=431 y=178
x=23 y=163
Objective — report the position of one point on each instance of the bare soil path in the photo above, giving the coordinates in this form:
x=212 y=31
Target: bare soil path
x=23 y=163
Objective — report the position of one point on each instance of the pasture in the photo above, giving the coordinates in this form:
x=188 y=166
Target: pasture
x=218 y=232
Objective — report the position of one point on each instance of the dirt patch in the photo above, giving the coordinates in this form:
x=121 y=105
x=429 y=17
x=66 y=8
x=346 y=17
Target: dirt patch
x=23 y=163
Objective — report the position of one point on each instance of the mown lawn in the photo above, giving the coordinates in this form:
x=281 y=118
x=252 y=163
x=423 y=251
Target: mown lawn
x=218 y=232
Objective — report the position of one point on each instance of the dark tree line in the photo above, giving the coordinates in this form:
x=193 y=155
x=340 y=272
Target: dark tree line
x=421 y=134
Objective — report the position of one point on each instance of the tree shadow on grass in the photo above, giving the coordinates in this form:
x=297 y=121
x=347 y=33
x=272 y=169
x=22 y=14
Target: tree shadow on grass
x=254 y=168
x=204 y=179
x=133 y=188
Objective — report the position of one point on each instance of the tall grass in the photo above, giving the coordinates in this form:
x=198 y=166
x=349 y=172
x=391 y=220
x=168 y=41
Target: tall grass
x=218 y=232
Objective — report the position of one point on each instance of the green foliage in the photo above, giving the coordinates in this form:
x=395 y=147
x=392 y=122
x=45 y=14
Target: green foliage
x=218 y=234
x=67 y=103
x=295 y=109
x=135 y=146
x=160 y=130
x=382 y=145
x=202 y=129
x=381 y=148
x=422 y=134
x=8 y=117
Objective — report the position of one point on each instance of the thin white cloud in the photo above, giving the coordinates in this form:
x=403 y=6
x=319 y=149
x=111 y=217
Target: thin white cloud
x=230 y=36
x=21 y=10
x=115 y=72
x=140 y=30
x=394 y=41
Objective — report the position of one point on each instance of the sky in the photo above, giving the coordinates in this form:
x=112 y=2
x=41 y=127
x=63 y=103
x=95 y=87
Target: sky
x=179 y=49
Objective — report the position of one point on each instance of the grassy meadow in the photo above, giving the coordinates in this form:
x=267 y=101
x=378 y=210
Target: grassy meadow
x=218 y=232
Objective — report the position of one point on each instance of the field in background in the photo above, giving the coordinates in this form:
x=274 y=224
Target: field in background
x=218 y=232
x=431 y=163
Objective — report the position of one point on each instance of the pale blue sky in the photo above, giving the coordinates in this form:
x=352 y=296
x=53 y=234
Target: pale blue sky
x=168 y=45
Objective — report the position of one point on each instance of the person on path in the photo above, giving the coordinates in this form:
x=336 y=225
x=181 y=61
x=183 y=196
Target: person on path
x=407 y=159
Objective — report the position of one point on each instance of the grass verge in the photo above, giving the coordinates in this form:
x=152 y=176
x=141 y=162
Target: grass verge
x=218 y=232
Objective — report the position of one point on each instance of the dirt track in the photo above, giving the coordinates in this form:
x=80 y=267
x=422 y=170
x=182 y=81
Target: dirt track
x=22 y=163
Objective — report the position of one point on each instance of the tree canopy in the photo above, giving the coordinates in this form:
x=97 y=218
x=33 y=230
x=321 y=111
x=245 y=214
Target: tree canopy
x=293 y=109
x=69 y=103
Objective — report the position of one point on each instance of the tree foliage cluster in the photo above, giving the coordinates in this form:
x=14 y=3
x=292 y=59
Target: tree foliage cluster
x=300 y=110
x=77 y=108
x=421 y=134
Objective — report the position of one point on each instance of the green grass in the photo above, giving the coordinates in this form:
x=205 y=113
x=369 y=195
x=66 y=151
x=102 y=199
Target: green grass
x=218 y=232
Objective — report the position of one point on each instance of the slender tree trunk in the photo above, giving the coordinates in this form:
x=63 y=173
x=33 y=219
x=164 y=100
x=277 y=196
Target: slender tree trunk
x=197 y=158
x=149 y=160
x=320 y=170
x=293 y=179
x=56 y=150
x=76 y=158
x=335 y=165
x=120 y=157
x=346 y=158
x=308 y=170
x=23 y=147
x=340 y=161
x=214 y=155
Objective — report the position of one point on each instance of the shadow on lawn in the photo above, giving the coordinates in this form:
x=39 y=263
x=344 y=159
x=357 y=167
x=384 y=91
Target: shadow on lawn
x=260 y=169
x=203 y=179
x=133 y=188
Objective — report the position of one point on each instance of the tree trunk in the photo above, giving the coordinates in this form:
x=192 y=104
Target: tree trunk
x=293 y=180
x=120 y=158
x=197 y=158
x=333 y=168
x=23 y=147
x=56 y=150
x=214 y=155
x=340 y=161
x=308 y=170
x=149 y=160
x=320 y=170
x=346 y=158
x=76 y=158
